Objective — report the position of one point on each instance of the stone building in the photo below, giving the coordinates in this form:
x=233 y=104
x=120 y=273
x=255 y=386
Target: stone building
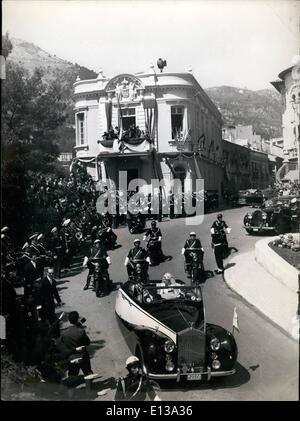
x=152 y=125
x=288 y=85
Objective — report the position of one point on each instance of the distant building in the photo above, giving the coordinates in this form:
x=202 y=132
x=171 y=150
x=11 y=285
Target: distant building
x=153 y=125
x=288 y=85
x=246 y=168
x=263 y=158
x=244 y=136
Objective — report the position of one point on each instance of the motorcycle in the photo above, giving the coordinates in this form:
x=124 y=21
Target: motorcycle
x=154 y=251
x=108 y=237
x=101 y=279
x=194 y=265
x=139 y=273
x=136 y=223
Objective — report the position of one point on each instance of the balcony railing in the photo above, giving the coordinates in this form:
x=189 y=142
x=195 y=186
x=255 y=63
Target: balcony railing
x=182 y=140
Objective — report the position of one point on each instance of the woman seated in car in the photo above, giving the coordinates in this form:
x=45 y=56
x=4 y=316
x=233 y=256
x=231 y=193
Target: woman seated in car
x=168 y=280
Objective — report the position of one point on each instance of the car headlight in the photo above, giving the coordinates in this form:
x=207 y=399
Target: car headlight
x=264 y=216
x=169 y=346
x=170 y=366
x=216 y=364
x=215 y=344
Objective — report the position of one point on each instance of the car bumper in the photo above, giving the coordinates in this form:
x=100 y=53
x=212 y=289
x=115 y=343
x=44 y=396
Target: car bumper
x=206 y=375
x=258 y=229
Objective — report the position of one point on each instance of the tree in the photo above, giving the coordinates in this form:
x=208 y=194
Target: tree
x=6 y=45
x=31 y=112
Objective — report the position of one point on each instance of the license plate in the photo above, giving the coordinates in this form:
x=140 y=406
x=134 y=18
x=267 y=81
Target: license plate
x=255 y=229
x=194 y=376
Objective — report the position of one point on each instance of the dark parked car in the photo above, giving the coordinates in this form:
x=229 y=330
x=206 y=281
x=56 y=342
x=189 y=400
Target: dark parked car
x=278 y=215
x=211 y=200
x=251 y=197
x=165 y=327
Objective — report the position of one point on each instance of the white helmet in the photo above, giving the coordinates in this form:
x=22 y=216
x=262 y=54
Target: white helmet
x=132 y=360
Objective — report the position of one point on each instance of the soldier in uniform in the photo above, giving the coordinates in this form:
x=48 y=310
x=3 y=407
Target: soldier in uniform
x=154 y=233
x=220 y=227
x=135 y=386
x=218 y=246
x=56 y=246
x=137 y=254
x=98 y=255
x=191 y=244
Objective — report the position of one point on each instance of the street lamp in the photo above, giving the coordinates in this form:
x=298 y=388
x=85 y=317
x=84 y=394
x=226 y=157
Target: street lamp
x=296 y=107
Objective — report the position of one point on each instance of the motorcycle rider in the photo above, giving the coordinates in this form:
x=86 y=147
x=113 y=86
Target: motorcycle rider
x=220 y=227
x=137 y=254
x=136 y=386
x=191 y=244
x=106 y=233
x=154 y=234
x=98 y=255
x=139 y=275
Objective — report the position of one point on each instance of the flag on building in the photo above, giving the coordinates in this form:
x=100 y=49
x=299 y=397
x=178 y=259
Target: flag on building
x=71 y=166
x=235 y=323
x=201 y=142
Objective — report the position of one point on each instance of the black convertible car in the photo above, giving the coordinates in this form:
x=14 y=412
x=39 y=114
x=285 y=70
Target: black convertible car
x=166 y=328
x=278 y=215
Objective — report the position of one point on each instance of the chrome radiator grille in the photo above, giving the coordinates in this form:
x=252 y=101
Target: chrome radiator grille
x=257 y=219
x=191 y=347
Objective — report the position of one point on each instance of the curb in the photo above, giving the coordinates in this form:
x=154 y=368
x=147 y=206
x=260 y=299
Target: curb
x=253 y=307
x=275 y=265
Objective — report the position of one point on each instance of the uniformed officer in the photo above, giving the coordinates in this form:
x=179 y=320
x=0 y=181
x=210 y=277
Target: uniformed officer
x=98 y=255
x=218 y=246
x=154 y=233
x=219 y=226
x=57 y=247
x=191 y=244
x=135 y=386
x=137 y=254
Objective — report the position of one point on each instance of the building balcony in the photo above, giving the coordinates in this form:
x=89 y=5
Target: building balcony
x=182 y=141
x=126 y=144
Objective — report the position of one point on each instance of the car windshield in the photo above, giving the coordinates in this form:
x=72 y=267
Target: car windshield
x=177 y=307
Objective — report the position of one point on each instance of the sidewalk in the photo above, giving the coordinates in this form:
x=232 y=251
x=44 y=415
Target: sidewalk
x=251 y=281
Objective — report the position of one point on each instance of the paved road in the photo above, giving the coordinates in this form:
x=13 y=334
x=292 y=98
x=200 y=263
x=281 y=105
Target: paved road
x=267 y=366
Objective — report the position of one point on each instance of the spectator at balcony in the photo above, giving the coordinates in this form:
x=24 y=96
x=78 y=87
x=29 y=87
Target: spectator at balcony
x=138 y=132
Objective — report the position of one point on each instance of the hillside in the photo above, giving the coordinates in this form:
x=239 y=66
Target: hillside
x=29 y=56
x=260 y=108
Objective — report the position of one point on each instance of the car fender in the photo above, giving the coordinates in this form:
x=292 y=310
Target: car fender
x=228 y=351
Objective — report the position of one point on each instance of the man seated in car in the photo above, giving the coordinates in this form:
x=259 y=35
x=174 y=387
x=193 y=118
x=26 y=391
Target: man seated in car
x=168 y=280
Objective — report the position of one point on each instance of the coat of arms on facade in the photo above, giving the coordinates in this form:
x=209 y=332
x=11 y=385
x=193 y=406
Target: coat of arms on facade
x=124 y=87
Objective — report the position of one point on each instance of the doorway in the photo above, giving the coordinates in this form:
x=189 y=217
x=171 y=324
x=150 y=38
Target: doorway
x=132 y=174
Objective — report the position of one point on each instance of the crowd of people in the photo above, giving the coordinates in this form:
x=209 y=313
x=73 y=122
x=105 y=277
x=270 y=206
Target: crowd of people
x=133 y=132
x=30 y=273
x=289 y=188
x=70 y=225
